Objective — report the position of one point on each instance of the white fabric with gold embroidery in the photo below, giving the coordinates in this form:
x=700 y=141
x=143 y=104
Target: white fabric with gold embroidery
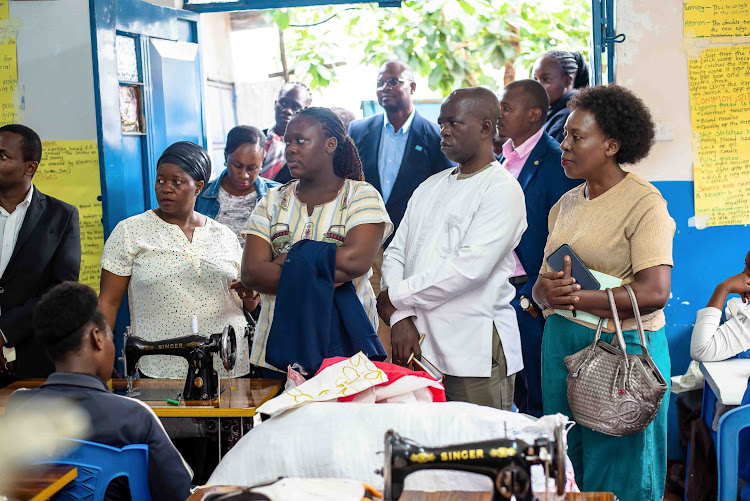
x=343 y=379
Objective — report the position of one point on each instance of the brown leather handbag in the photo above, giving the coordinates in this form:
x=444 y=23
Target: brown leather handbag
x=609 y=390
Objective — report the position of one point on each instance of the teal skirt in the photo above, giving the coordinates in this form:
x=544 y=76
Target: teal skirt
x=633 y=467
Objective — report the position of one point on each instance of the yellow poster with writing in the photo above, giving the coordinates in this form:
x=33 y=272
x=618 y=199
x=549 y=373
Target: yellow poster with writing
x=69 y=170
x=8 y=80
x=719 y=81
x=716 y=18
x=8 y=67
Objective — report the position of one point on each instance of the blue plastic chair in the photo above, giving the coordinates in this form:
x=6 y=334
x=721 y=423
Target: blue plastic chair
x=98 y=465
x=728 y=450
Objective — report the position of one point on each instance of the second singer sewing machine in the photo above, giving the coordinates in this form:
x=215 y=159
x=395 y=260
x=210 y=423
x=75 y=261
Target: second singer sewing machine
x=202 y=380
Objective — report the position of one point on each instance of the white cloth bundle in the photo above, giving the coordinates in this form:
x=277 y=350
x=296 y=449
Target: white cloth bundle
x=346 y=440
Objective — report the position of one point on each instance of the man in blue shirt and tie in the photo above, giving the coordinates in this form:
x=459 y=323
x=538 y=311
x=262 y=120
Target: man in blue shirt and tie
x=399 y=149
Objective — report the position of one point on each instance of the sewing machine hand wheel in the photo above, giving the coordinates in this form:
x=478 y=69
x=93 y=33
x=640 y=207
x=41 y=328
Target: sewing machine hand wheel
x=228 y=347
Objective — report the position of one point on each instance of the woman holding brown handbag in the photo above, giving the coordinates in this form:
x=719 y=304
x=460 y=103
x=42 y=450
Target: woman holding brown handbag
x=617 y=224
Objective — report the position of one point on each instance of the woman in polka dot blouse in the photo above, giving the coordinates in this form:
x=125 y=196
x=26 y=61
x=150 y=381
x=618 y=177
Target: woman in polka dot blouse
x=176 y=264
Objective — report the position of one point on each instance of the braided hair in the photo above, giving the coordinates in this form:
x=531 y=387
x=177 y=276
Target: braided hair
x=572 y=64
x=346 y=162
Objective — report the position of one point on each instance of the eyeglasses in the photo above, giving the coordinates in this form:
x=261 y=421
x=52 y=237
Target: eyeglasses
x=393 y=81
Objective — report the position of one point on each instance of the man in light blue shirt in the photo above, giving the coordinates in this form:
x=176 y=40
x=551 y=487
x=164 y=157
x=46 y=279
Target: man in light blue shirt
x=391 y=153
x=399 y=149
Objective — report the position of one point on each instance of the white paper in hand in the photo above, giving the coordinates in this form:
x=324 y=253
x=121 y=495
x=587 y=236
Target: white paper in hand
x=605 y=282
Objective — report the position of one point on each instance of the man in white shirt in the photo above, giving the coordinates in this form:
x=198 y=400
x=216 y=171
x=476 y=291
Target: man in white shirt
x=713 y=342
x=41 y=247
x=446 y=271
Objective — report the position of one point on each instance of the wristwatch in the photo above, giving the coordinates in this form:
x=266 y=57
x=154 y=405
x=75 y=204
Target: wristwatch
x=528 y=306
x=525 y=303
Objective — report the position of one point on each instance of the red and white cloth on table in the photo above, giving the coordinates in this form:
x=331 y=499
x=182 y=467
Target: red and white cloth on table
x=403 y=385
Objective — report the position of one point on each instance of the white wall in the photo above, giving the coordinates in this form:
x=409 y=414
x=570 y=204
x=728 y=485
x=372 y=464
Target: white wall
x=216 y=48
x=653 y=64
x=55 y=72
x=175 y=4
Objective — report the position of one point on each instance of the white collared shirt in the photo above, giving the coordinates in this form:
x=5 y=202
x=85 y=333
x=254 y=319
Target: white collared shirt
x=10 y=227
x=449 y=263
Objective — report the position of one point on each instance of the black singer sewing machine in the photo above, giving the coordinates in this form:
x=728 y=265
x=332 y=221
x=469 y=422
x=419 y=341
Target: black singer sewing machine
x=506 y=461
x=202 y=382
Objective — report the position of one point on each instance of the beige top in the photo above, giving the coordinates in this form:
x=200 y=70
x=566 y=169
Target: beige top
x=621 y=232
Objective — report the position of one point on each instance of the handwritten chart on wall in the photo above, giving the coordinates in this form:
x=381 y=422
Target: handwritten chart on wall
x=719 y=79
x=8 y=66
x=69 y=170
x=716 y=18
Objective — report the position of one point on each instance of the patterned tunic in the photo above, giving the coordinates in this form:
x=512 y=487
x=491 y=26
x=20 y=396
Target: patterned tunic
x=281 y=220
x=234 y=211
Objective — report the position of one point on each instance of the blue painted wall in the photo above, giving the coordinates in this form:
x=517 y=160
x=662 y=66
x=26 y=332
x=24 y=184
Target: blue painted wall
x=702 y=259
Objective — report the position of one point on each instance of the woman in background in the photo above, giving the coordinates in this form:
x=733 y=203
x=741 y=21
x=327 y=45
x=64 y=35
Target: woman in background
x=231 y=198
x=561 y=73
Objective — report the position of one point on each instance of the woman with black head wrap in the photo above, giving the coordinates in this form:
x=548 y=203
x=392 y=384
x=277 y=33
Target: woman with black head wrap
x=175 y=264
x=231 y=198
x=561 y=73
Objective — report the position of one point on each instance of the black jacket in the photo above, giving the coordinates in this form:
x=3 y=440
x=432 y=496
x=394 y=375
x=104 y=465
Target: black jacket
x=556 y=117
x=422 y=159
x=117 y=421
x=47 y=252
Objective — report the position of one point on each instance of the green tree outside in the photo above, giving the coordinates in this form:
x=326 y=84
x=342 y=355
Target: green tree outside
x=453 y=43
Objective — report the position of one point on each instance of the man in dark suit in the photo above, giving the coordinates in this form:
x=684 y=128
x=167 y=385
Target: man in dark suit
x=533 y=156
x=41 y=248
x=399 y=149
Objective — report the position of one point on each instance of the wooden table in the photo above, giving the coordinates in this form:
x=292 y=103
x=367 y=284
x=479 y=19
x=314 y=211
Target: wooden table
x=39 y=483
x=239 y=397
x=201 y=494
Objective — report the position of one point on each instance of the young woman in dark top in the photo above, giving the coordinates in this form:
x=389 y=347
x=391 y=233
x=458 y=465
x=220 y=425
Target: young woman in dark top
x=561 y=73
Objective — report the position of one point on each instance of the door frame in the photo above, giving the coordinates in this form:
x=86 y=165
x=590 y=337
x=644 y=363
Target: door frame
x=109 y=18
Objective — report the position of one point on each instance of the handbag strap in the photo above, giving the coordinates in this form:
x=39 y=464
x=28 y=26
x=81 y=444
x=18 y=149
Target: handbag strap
x=618 y=327
x=637 y=316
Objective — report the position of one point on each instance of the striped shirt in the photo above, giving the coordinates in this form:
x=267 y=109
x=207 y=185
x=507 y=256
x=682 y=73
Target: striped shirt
x=281 y=220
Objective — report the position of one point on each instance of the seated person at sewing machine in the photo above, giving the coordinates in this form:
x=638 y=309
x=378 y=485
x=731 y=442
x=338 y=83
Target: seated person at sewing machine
x=73 y=330
x=329 y=201
x=713 y=342
x=176 y=264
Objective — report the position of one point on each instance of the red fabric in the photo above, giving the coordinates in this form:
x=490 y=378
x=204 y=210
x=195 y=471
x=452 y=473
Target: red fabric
x=394 y=373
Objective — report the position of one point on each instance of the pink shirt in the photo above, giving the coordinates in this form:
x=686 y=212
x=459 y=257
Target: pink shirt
x=515 y=158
